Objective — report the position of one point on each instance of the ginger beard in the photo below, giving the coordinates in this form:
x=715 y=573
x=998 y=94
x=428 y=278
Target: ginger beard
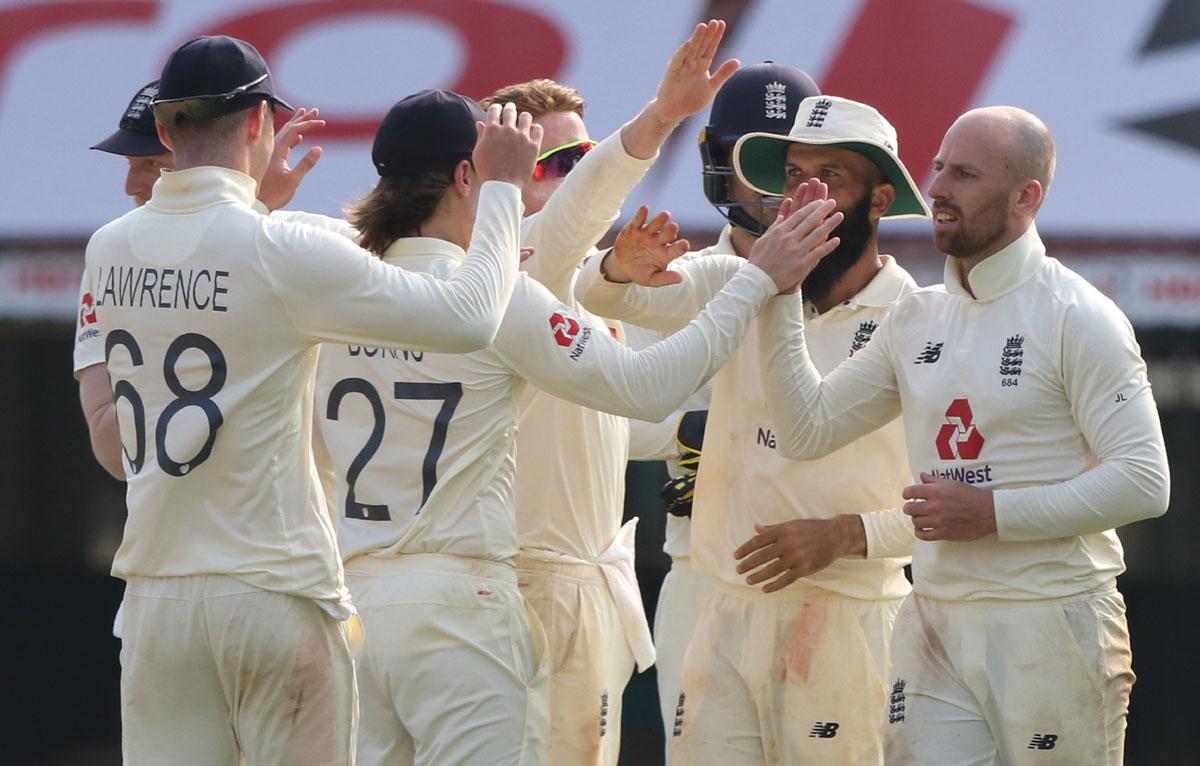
x=968 y=235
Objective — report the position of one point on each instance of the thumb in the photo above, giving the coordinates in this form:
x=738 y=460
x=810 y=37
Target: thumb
x=928 y=478
x=760 y=528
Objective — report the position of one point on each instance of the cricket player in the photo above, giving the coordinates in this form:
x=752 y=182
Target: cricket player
x=236 y=632
x=576 y=562
x=421 y=447
x=136 y=139
x=795 y=672
x=761 y=97
x=1032 y=434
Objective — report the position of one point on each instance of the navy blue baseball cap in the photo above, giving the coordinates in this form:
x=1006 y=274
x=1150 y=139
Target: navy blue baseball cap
x=136 y=135
x=223 y=74
x=429 y=130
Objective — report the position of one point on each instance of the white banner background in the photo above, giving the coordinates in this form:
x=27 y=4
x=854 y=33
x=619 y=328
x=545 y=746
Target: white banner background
x=1077 y=63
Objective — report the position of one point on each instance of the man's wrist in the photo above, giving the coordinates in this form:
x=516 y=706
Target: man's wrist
x=644 y=135
x=606 y=269
x=853 y=535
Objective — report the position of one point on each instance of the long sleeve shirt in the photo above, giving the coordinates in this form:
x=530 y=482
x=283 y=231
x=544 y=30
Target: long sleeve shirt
x=1030 y=384
x=571 y=477
x=743 y=479
x=422 y=445
x=211 y=314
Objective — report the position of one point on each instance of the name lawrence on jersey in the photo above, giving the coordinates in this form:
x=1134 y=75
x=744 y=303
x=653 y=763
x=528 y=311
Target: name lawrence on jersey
x=146 y=286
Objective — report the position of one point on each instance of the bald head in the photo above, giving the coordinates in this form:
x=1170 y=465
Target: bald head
x=1021 y=139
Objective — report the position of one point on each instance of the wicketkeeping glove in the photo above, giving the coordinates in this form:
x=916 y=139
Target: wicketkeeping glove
x=677 y=495
x=689 y=437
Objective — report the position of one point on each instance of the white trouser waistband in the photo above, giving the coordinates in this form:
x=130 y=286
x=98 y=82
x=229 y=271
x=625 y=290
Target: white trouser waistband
x=436 y=563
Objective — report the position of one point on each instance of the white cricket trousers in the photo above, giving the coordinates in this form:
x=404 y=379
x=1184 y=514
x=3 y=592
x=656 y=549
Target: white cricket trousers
x=1030 y=682
x=590 y=659
x=797 y=677
x=681 y=599
x=212 y=668
x=452 y=671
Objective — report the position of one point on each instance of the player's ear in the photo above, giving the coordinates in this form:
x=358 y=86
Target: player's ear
x=882 y=197
x=464 y=177
x=258 y=120
x=164 y=138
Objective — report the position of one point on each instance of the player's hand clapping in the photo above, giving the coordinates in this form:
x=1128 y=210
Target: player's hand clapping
x=799 y=238
x=642 y=251
x=508 y=146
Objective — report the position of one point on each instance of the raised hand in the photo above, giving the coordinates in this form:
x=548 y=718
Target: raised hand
x=508 y=145
x=687 y=87
x=279 y=185
x=799 y=238
x=643 y=249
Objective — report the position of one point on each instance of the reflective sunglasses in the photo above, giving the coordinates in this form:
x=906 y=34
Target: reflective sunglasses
x=560 y=160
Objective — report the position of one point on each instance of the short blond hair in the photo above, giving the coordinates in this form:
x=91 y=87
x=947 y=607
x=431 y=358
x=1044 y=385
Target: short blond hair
x=538 y=97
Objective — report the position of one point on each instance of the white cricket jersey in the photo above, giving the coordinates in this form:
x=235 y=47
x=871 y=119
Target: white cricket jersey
x=212 y=313
x=1034 y=388
x=571 y=482
x=678 y=533
x=743 y=480
x=422 y=445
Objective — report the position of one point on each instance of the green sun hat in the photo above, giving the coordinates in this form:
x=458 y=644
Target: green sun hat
x=759 y=159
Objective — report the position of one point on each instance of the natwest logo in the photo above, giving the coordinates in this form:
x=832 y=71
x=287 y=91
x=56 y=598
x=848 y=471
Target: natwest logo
x=87 y=310
x=959 y=439
x=564 y=328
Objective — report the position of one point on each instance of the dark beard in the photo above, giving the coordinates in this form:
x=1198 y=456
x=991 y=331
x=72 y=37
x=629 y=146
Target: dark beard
x=855 y=231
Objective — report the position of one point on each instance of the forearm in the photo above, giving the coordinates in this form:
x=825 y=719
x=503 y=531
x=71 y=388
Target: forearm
x=105 y=437
x=100 y=413
x=579 y=214
x=665 y=309
x=668 y=372
x=1129 y=486
x=814 y=417
x=645 y=134
x=654 y=441
x=652 y=383
x=888 y=533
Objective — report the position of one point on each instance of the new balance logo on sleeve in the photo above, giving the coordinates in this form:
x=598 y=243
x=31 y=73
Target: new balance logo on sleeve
x=1043 y=742
x=932 y=353
x=824 y=729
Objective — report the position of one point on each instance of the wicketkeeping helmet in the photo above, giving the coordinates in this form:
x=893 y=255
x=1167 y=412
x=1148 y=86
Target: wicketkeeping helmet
x=758 y=98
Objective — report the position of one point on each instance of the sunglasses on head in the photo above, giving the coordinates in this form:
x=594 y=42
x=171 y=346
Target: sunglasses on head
x=560 y=160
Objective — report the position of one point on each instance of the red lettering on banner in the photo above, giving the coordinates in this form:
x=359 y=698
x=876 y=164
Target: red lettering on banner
x=919 y=62
x=503 y=44
x=1174 y=289
x=23 y=23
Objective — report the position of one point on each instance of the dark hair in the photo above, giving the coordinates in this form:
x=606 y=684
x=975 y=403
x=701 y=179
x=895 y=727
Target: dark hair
x=397 y=207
